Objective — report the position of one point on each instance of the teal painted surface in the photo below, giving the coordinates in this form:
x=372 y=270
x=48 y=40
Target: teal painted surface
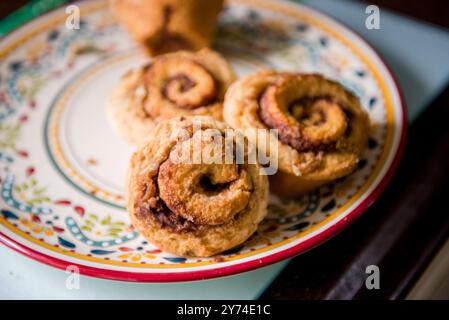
x=417 y=54
x=23 y=278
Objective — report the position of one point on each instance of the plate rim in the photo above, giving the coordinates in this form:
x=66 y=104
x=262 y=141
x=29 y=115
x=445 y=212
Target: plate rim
x=256 y=263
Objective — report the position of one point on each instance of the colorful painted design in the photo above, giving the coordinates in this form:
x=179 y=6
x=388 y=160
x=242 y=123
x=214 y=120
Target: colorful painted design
x=51 y=209
x=285 y=211
x=30 y=194
x=113 y=230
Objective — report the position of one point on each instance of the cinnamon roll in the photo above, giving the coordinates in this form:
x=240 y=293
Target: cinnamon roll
x=175 y=84
x=321 y=127
x=162 y=26
x=195 y=207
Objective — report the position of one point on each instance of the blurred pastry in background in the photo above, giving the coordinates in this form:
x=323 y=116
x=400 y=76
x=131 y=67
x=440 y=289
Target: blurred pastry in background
x=162 y=26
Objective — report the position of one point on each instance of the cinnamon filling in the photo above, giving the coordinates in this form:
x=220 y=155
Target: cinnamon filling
x=155 y=207
x=181 y=81
x=166 y=218
x=304 y=122
x=169 y=215
x=182 y=197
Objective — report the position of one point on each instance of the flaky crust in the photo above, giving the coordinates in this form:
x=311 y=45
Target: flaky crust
x=138 y=102
x=308 y=156
x=169 y=206
x=162 y=26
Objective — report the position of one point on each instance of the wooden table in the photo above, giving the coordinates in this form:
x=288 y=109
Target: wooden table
x=400 y=233
x=406 y=226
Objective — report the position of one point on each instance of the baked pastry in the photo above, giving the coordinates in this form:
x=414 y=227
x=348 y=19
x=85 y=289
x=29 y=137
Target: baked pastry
x=322 y=128
x=162 y=26
x=175 y=84
x=195 y=207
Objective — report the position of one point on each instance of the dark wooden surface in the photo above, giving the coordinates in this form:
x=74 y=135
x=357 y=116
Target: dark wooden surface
x=405 y=227
x=7 y=7
x=402 y=231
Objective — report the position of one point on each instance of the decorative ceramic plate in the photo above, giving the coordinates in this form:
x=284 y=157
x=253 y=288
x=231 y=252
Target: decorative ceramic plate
x=63 y=167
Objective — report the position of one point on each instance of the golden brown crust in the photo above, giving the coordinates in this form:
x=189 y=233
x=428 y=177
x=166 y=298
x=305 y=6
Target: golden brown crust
x=162 y=26
x=322 y=128
x=181 y=83
x=187 y=208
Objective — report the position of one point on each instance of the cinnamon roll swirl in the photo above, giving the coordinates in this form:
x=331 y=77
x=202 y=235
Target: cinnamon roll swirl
x=195 y=208
x=175 y=84
x=162 y=26
x=322 y=128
